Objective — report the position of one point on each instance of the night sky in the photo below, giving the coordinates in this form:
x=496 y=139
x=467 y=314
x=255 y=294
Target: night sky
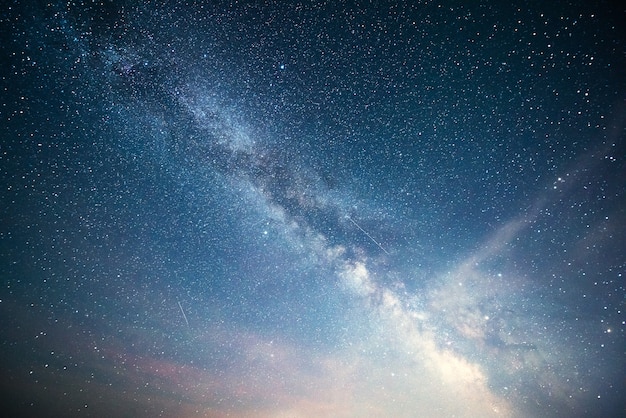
x=312 y=209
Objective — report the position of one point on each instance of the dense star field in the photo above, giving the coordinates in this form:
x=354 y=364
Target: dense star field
x=312 y=209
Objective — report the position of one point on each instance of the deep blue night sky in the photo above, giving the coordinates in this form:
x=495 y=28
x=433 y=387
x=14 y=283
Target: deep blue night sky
x=313 y=209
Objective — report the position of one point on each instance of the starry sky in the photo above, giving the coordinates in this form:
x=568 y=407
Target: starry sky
x=312 y=209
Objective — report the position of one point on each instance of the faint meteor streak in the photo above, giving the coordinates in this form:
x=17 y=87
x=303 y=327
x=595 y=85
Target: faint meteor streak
x=183 y=312
x=368 y=235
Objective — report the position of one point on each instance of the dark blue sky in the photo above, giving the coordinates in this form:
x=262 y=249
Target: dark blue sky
x=312 y=209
